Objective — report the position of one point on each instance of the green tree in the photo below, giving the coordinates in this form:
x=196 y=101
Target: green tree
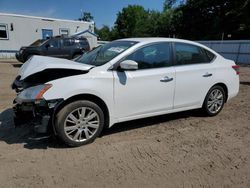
x=189 y=19
x=86 y=16
x=104 y=33
x=168 y=4
x=107 y=34
x=153 y=24
x=212 y=19
x=131 y=21
x=135 y=21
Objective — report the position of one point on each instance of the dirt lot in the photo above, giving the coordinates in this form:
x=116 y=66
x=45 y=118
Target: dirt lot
x=178 y=150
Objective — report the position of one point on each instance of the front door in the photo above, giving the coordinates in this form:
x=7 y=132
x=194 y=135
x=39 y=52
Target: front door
x=148 y=90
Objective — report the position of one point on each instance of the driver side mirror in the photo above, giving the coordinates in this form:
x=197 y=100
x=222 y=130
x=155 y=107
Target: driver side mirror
x=128 y=65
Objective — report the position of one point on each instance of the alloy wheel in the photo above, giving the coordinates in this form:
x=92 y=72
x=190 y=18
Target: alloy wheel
x=215 y=101
x=81 y=124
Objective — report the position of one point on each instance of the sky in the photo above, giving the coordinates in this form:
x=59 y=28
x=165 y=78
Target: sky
x=104 y=11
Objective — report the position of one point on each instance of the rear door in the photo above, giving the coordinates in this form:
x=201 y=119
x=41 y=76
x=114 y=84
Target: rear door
x=148 y=90
x=194 y=75
x=67 y=48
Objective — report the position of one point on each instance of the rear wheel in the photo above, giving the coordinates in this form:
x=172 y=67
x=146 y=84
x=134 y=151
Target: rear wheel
x=214 y=101
x=79 y=123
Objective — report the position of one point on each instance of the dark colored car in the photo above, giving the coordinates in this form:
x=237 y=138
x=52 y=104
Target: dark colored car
x=61 y=47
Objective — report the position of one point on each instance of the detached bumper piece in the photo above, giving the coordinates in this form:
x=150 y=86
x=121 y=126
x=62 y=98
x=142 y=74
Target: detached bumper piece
x=37 y=113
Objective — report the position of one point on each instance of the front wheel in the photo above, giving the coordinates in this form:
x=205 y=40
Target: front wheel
x=79 y=123
x=214 y=101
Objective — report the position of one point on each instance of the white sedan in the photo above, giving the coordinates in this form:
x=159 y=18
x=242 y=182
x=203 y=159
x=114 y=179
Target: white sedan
x=123 y=80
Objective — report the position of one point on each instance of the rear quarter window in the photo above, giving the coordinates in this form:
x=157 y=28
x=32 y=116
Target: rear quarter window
x=83 y=42
x=186 y=54
x=210 y=55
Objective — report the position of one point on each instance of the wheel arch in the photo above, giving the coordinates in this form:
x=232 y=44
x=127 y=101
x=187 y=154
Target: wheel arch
x=224 y=86
x=90 y=97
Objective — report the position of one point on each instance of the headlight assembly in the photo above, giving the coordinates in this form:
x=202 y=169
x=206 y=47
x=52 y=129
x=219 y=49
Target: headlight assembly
x=35 y=92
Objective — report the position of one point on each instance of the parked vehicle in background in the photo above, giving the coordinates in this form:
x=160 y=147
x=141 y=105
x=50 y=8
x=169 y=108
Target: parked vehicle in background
x=120 y=81
x=60 y=47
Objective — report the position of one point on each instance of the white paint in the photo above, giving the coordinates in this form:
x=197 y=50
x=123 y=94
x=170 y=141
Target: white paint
x=138 y=94
x=39 y=63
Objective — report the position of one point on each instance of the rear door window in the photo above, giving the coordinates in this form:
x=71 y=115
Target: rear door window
x=210 y=55
x=68 y=42
x=186 y=54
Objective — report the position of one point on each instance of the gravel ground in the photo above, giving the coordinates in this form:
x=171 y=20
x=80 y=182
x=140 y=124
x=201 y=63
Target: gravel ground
x=177 y=150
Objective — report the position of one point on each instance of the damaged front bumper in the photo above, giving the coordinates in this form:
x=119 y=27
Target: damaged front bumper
x=39 y=113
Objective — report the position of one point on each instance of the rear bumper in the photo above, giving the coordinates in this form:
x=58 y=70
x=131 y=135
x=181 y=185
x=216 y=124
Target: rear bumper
x=232 y=94
x=233 y=87
x=38 y=113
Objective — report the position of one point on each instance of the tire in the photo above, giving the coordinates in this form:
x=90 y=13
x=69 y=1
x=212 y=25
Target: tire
x=214 y=101
x=79 y=123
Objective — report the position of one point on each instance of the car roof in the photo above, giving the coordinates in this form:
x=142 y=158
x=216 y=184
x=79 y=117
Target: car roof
x=68 y=37
x=157 y=39
x=161 y=39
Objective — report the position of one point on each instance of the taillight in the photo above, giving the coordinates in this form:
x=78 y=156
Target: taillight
x=237 y=69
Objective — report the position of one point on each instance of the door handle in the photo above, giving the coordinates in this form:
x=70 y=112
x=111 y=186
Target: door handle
x=207 y=75
x=166 y=79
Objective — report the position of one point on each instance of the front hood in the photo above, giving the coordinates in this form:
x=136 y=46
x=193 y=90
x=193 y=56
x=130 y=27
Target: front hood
x=25 y=47
x=38 y=64
x=28 y=47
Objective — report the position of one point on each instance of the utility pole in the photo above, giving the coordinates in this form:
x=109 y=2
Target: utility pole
x=222 y=36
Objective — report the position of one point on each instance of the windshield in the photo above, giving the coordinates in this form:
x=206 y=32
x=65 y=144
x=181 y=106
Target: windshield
x=103 y=54
x=38 y=42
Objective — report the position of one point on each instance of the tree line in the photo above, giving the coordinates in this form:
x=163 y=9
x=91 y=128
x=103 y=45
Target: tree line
x=189 y=19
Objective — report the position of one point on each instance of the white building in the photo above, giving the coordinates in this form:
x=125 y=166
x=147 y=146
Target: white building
x=21 y=30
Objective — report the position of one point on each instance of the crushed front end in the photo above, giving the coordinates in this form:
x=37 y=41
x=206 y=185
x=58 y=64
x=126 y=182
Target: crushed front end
x=30 y=106
x=33 y=81
x=37 y=112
